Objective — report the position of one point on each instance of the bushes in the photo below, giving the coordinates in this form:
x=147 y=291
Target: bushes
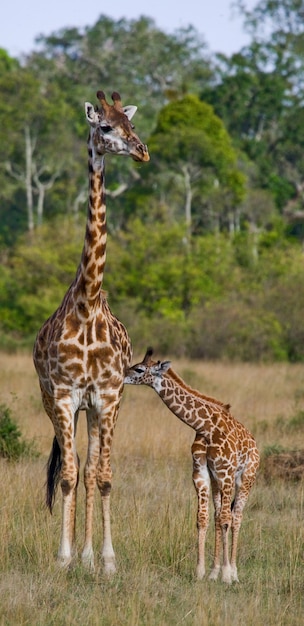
x=235 y=330
x=198 y=300
x=167 y=336
x=12 y=447
x=286 y=299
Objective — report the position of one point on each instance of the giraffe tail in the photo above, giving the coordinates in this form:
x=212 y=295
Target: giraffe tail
x=53 y=474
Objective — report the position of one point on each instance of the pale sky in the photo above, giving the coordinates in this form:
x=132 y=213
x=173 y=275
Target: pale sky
x=23 y=20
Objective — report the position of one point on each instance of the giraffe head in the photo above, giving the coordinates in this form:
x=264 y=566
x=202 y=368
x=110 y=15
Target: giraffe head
x=147 y=372
x=111 y=130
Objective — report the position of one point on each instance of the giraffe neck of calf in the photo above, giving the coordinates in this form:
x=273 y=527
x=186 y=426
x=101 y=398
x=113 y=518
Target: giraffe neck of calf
x=189 y=406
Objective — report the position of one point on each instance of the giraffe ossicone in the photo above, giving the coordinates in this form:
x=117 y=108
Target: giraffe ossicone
x=224 y=454
x=82 y=351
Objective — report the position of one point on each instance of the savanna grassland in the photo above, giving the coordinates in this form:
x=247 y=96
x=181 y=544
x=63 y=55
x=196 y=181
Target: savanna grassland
x=154 y=512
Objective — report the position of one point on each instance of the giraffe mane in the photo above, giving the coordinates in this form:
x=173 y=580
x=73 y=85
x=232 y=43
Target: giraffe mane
x=172 y=374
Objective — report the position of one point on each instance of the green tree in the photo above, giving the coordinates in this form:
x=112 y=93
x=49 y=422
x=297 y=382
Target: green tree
x=259 y=93
x=37 y=142
x=152 y=264
x=36 y=275
x=192 y=151
x=149 y=67
x=148 y=64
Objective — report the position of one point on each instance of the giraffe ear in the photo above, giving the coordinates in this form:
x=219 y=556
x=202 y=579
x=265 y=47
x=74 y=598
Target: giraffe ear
x=91 y=114
x=161 y=367
x=129 y=111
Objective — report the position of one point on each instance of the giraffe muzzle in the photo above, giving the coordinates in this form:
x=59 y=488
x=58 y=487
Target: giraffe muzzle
x=141 y=153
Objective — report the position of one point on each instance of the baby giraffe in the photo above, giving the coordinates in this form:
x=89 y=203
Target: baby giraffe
x=224 y=454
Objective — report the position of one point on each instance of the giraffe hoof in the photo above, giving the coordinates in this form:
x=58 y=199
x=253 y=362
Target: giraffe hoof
x=109 y=567
x=87 y=559
x=234 y=576
x=200 y=572
x=227 y=575
x=64 y=561
x=214 y=573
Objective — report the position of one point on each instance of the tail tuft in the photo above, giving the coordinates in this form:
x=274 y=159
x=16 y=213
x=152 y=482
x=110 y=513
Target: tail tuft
x=53 y=474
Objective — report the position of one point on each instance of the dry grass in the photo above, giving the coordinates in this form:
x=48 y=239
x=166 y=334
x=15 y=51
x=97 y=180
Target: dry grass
x=288 y=466
x=153 y=513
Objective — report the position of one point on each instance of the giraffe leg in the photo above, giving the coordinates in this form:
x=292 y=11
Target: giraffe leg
x=73 y=516
x=225 y=523
x=69 y=480
x=90 y=484
x=226 y=567
x=201 y=482
x=222 y=492
x=65 y=424
x=104 y=480
x=74 y=499
x=216 y=497
x=242 y=490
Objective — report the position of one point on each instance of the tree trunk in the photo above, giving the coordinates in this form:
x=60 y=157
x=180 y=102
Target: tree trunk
x=188 y=201
x=40 y=202
x=41 y=189
x=28 y=178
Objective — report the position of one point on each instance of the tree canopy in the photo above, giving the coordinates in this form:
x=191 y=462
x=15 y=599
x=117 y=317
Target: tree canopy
x=205 y=243
x=192 y=145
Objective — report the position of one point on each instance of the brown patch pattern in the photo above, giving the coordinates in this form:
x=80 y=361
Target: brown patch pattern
x=224 y=455
x=82 y=351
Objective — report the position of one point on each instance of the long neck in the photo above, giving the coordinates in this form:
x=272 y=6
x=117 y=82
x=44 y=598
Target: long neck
x=190 y=406
x=91 y=269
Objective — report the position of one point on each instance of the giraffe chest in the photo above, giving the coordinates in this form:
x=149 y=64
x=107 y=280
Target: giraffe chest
x=83 y=359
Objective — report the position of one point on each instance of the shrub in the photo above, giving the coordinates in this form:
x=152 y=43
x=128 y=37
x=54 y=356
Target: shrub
x=236 y=329
x=273 y=450
x=288 y=466
x=297 y=421
x=12 y=447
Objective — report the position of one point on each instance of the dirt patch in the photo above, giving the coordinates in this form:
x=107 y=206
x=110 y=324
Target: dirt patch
x=288 y=466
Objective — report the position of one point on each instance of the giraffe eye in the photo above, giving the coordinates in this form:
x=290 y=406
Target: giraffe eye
x=106 y=128
x=138 y=370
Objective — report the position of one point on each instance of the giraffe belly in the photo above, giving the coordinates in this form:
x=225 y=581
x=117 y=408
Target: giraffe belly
x=87 y=400
x=95 y=396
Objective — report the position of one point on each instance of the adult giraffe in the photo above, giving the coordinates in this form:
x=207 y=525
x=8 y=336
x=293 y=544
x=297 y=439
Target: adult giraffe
x=82 y=351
